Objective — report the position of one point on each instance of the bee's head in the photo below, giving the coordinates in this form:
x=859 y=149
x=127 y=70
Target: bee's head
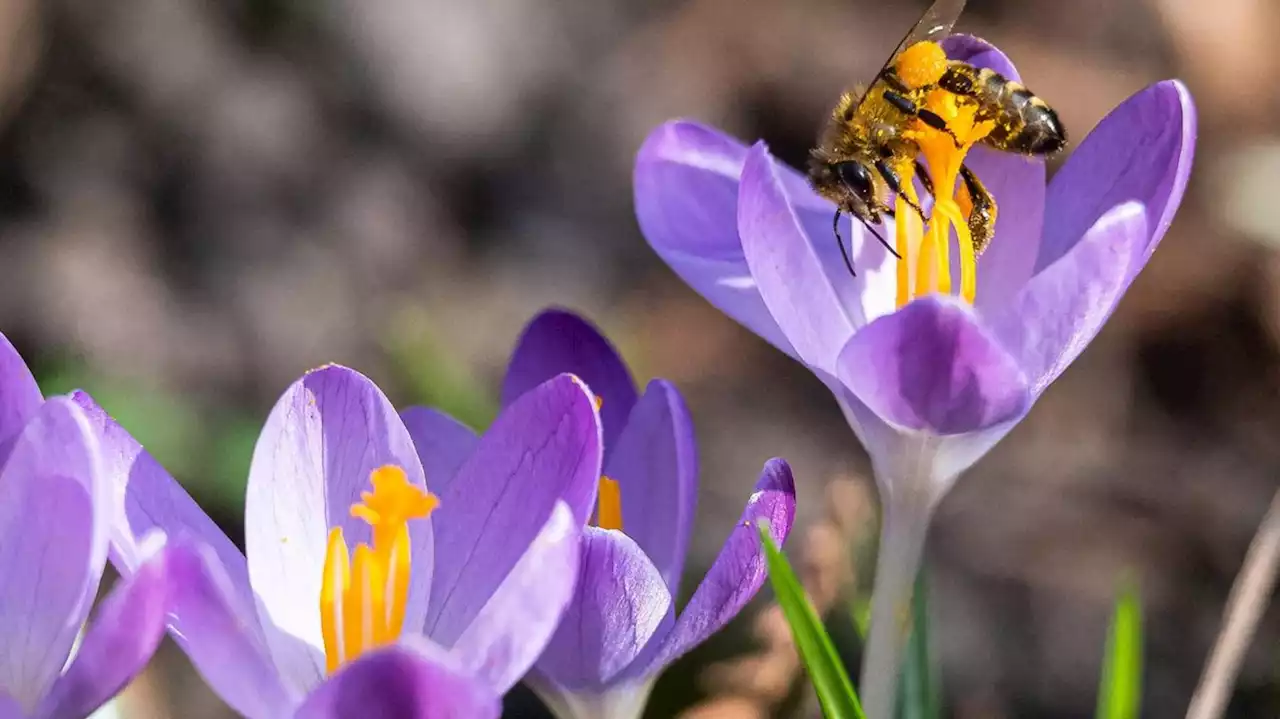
x=852 y=184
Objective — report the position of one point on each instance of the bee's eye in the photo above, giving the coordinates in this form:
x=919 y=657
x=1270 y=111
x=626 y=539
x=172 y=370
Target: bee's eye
x=856 y=177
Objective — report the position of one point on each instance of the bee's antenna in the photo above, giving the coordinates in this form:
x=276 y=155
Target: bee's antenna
x=880 y=237
x=835 y=227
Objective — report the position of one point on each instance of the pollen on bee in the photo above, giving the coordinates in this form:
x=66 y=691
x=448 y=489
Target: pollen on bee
x=922 y=64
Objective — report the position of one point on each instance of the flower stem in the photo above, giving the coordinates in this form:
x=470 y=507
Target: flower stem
x=902 y=536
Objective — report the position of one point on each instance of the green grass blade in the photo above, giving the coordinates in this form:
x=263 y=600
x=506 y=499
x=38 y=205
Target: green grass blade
x=835 y=691
x=1120 y=694
x=918 y=696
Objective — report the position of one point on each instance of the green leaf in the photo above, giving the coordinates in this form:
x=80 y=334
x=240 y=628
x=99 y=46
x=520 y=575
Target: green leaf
x=918 y=696
x=835 y=691
x=1120 y=694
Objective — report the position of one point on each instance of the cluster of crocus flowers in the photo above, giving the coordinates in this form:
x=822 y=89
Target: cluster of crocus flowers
x=930 y=373
x=55 y=519
x=448 y=592
x=396 y=564
x=621 y=628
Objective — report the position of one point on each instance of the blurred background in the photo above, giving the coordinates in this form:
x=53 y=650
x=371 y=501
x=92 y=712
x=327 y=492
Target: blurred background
x=201 y=200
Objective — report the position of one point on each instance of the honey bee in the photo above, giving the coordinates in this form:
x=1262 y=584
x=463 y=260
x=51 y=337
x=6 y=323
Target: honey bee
x=866 y=151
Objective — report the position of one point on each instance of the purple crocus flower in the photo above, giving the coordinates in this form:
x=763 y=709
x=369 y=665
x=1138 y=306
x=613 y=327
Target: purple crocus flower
x=622 y=628
x=436 y=612
x=54 y=526
x=929 y=381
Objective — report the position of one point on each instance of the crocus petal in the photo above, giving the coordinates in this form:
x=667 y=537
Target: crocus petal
x=1141 y=151
x=219 y=634
x=686 y=197
x=19 y=395
x=54 y=516
x=931 y=367
x=514 y=626
x=443 y=444
x=1060 y=311
x=738 y=572
x=620 y=604
x=401 y=682
x=655 y=463
x=147 y=498
x=543 y=448
x=323 y=439
x=791 y=274
x=557 y=341
x=118 y=643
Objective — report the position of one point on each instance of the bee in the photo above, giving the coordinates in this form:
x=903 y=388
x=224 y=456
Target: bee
x=865 y=152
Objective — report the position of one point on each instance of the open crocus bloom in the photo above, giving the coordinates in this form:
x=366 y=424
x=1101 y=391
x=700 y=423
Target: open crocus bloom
x=361 y=591
x=931 y=365
x=54 y=527
x=622 y=628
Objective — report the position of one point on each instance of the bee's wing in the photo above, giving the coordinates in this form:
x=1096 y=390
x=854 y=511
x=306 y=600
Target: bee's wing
x=935 y=24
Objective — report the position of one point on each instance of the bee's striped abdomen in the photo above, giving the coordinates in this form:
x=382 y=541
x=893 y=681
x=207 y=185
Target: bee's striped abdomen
x=1024 y=123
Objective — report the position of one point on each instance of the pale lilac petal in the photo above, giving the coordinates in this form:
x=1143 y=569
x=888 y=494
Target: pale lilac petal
x=558 y=341
x=147 y=498
x=443 y=444
x=542 y=449
x=9 y=707
x=620 y=605
x=686 y=196
x=1060 y=311
x=1018 y=186
x=19 y=395
x=1142 y=151
x=931 y=367
x=738 y=572
x=117 y=644
x=401 y=682
x=54 y=517
x=791 y=275
x=655 y=463
x=219 y=634
x=514 y=626
x=1108 y=209
x=323 y=439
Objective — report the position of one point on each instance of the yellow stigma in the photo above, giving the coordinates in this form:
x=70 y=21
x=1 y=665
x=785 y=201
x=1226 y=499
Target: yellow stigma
x=363 y=597
x=926 y=265
x=609 y=511
x=599 y=402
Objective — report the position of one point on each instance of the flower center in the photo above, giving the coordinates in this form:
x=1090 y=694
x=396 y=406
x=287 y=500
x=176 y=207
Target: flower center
x=925 y=247
x=363 y=596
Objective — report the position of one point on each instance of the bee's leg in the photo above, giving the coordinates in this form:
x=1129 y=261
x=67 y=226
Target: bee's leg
x=982 y=210
x=924 y=178
x=895 y=183
x=835 y=227
x=904 y=105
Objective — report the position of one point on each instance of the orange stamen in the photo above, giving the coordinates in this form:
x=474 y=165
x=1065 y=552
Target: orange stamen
x=609 y=511
x=927 y=249
x=363 y=597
